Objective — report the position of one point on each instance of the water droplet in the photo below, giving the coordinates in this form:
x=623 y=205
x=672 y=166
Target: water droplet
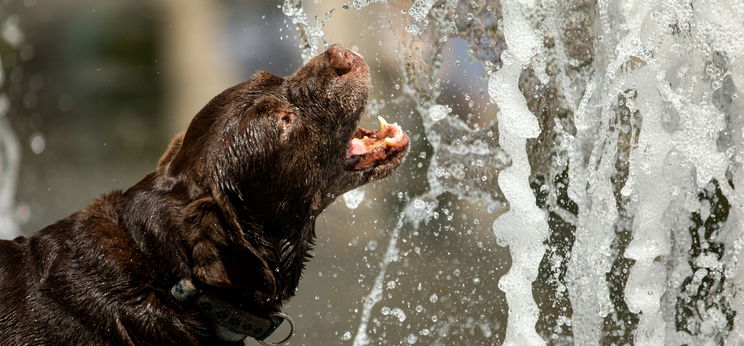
x=439 y=112
x=411 y=339
x=353 y=198
x=38 y=144
x=414 y=29
x=397 y=312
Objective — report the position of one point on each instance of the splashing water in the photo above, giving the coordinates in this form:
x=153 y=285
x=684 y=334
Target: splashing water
x=523 y=228
x=311 y=34
x=619 y=150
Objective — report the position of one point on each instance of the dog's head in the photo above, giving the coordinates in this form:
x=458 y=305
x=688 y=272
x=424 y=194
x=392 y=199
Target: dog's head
x=273 y=152
x=281 y=145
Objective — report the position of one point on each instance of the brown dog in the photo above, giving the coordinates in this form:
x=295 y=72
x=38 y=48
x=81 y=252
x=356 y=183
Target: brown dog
x=207 y=248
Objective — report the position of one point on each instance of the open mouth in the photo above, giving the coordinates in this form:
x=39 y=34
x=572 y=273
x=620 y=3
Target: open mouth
x=373 y=148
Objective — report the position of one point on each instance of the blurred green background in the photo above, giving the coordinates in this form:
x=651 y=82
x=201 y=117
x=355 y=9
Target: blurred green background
x=98 y=89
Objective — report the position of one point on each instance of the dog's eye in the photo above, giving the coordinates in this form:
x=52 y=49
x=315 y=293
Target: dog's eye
x=285 y=119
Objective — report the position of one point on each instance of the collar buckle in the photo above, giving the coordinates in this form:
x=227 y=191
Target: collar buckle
x=231 y=324
x=281 y=317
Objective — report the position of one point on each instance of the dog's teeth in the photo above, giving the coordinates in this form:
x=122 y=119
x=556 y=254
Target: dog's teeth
x=383 y=123
x=390 y=142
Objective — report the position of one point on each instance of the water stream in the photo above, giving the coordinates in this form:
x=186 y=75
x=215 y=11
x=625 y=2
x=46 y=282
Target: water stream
x=619 y=158
x=12 y=37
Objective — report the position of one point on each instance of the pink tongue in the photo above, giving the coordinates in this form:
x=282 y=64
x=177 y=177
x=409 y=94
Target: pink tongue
x=356 y=147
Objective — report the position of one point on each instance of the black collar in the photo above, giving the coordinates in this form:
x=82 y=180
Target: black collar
x=231 y=324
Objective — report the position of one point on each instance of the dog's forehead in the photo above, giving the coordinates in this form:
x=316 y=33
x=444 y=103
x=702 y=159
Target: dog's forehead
x=263 y=80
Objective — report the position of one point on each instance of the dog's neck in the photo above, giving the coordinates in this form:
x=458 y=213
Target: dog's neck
x=286 y=247
x=185 y=238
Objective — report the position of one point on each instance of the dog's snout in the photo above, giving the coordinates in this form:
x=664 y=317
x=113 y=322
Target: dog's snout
x=341 y=59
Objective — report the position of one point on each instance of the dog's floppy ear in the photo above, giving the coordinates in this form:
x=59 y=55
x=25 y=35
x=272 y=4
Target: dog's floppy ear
x=172 y=150
x=221 y=257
